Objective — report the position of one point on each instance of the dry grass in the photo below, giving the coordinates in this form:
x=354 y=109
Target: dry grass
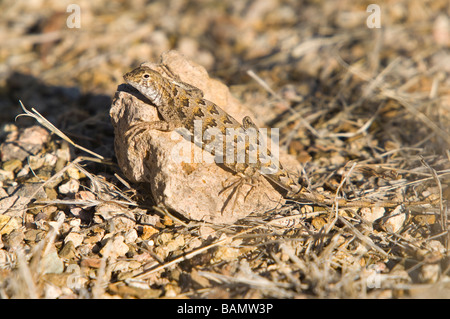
x=366 y=112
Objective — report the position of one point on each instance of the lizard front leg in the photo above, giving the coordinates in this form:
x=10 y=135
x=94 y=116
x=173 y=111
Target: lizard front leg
x=139 y=127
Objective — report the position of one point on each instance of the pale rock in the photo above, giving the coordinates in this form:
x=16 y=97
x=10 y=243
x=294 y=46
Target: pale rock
x=205 y=232
x=441 y=30
x=85 y=195
x=5 y=204
x=63 y=153
x=371 y=214
x=20 y=145
x=6 y=175
x=73 y=172
x=191 y=189
x=430 y=273
x=36 y=162
x=115 y=247
x=71 y=187
x=75 y=223
x=75 y=211
x=171 y=291
x=225 y=253
x=23 y=172
x=394 y=222
x=51 y=263
x=131 y=236
x=436 y=246
x=8 y=224
x=50 y=159
x=76 y=238
x=51 y=291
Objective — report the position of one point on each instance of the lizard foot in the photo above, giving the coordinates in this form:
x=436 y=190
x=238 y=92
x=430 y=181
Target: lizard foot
x=236 y=187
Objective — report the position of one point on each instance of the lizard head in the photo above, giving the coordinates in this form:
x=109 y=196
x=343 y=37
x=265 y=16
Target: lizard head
x=146 y=81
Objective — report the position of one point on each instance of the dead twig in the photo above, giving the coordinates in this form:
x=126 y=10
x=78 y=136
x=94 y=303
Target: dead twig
x=49 y=126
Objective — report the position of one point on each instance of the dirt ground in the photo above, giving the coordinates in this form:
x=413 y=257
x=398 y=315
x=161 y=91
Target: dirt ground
x=360 y=92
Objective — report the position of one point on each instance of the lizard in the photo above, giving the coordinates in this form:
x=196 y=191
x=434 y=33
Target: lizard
x=181 y=104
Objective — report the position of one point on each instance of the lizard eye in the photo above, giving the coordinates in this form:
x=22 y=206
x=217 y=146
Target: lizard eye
x=146 y=76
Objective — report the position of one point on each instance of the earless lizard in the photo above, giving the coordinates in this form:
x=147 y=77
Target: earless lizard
x=181 y=105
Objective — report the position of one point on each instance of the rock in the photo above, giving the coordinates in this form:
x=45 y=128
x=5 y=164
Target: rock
x=115 y=247
x=192 y=189
x=91 y=262
x=28 y=142
x=36 y=162
x=131 y=236
x=145 y=219
x=7 y=224
x=15 y=239
x=117 y=216
x=206 y=232
x=68 y=250
x=75 y=224
x=430 y=273
x=71 y=186
x=7 y=202
x=224 y=253
x=73 y=173
x=85 y=195
x=6 y=175
x=395 y=221
x=373 y=213
x=12 y=165
x=51 y=263
x=34 y=235
x=75 y=238
x=147 y=231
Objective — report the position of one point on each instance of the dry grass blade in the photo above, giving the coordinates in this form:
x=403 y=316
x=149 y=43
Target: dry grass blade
x=336 y=203
x=247 y=277
x=443 y=214
x=45 y=123
x=422 y=117
x=362 y=237
x=27 y=277
x=165 y=212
